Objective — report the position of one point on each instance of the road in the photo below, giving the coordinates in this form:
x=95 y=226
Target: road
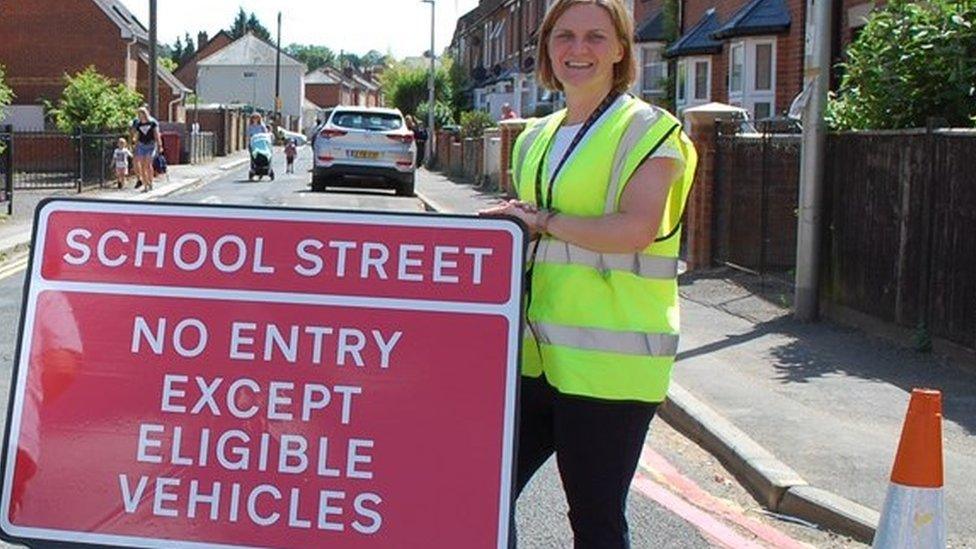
x=682 y=497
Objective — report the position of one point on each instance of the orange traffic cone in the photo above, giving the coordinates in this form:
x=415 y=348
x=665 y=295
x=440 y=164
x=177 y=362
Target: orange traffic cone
x=914 y=511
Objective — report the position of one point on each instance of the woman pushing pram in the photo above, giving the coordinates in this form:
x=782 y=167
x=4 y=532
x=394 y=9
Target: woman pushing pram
x=260 y=147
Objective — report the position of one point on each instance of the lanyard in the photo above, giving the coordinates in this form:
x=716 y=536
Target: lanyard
x=590 y=121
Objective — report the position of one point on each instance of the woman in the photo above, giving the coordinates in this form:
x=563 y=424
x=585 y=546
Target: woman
x=256 y=125
x=601 y=187
x=148 y=143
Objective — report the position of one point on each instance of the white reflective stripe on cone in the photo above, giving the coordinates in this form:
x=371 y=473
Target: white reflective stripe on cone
x=643 y=265
x=610 y=341
x=912 y=518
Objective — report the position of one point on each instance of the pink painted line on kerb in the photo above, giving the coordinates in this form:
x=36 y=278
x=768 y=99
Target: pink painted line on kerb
x=713 y=529
x=658 y=466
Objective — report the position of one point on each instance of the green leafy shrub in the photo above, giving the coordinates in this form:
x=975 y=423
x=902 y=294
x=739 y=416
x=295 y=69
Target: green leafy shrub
x=6 y=96
x=406 y=88
x=912 y=61
x=474 y=123
x=442 y=114
x=95 y=104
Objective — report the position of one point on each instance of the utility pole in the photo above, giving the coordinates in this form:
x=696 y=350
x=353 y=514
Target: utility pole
x=153 y=76
x=277 y=105
x=517 y=79
x=809 y=223
x=429 y=153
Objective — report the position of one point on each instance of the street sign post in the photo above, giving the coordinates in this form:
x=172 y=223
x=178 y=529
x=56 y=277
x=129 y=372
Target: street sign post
x=218 y=376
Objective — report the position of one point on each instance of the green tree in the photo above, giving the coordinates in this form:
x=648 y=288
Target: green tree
x=94 y=103
x=911 y=62
x=406 y=88
x=188 y=50
x=176 y=51
x=442 y=114
x=167 y=63
x=244 y=23
x=314 y=57
x=6 y=96
x=460 y=81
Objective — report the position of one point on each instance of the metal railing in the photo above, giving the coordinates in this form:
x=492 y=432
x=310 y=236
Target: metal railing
x=6 y=170
x=54 y=160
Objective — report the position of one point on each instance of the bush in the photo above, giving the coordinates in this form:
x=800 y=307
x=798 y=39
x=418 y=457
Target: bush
x=406 y=88
x=6 y=96
x=473 y=123
x=911 y=62
x=95 y=104
x=442 y=114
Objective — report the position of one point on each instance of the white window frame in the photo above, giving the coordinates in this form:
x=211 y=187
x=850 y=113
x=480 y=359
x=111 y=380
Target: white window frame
x=646 y=52
x=749 y=96
x=687 y=67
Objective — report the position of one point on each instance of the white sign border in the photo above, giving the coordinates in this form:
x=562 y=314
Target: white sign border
x=36 y=284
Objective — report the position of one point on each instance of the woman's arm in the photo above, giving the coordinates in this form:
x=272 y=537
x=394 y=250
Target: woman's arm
x=629 y=230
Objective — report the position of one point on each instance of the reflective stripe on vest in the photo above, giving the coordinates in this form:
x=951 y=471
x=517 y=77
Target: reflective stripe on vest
x=530 y=137
x=640 y=125
x=643 y=265
x=609 y=341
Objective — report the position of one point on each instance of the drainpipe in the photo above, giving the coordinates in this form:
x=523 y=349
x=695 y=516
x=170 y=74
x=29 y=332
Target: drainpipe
x=169 y=109
x=128 y=58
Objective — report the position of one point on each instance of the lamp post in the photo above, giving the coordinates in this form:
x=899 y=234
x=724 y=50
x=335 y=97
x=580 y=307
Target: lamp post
x=153 y=84
x=429 y=153
x=277 y=105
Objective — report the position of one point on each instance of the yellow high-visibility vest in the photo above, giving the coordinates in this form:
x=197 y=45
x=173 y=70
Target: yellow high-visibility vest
x=604 y=325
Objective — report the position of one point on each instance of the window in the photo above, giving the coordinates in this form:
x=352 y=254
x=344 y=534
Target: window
x=736 y=67
x=367 y=120
x=752 y=75
x=654 y=70
x=764 y=66
x=701 y=80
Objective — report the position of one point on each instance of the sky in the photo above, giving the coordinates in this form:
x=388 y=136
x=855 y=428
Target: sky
x=399 y=27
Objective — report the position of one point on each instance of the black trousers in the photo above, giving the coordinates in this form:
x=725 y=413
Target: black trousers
x=597 y=445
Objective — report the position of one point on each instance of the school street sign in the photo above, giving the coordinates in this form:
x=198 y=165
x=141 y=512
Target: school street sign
x=216 y=376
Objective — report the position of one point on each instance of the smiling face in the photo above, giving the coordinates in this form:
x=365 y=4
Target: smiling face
x=583 y=48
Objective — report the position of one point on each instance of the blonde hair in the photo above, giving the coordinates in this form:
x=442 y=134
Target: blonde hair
x=624 y=71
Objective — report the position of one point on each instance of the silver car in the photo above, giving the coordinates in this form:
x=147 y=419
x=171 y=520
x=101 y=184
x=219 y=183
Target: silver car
x=369 y=143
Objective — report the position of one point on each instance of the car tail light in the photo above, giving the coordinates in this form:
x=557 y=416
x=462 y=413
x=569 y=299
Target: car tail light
x=405 y=163
x=330 y=133
x=405 y=138
x=326 y=158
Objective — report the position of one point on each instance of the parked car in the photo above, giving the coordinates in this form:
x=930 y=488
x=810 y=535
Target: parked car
x=369 y=143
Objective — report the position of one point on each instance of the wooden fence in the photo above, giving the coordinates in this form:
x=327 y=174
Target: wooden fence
x=899 y=225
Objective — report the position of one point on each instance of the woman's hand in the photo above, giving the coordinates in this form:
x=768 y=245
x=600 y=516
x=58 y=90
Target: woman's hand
x=523 y=211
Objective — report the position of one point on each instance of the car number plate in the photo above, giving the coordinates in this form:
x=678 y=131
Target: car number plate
x=364 y=154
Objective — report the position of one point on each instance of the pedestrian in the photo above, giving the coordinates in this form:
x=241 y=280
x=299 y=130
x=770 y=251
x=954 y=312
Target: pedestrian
x=148 y=142
x=508 y=113
x=256 y=125
x=601 y=186
x=121 y=158
x=420 y=137
x=291 y=149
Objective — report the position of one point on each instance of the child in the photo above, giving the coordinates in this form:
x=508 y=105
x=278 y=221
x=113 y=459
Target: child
x=290 y=152
x=121 y=157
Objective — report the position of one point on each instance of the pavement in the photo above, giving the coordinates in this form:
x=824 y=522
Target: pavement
x=806 y=416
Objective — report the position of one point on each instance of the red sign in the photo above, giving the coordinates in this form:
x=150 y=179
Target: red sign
x=251 y=377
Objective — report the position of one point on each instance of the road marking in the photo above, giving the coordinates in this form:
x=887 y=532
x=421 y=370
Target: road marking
x=662 y=482
x=13 y=268
x=212 y=199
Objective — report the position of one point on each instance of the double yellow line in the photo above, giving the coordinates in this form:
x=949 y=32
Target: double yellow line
x=13 y=267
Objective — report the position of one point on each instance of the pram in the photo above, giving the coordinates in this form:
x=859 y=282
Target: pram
x=261 y=151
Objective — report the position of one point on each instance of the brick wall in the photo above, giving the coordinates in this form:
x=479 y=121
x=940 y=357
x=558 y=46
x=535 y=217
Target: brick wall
x=325 y=95
x=510 y=131
x=44 y=39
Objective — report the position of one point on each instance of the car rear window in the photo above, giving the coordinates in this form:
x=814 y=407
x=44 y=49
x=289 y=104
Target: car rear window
x=367 y=120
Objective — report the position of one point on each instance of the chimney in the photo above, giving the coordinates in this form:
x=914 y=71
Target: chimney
x=201 y=39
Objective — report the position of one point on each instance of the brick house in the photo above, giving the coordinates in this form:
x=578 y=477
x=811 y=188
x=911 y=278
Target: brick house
x=749 y=53
x=45 y=39
x=495 y=43
x=187 y=71
x=328 y=87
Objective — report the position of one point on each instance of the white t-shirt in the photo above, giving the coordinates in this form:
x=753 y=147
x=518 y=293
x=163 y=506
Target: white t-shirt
x=565 y=135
